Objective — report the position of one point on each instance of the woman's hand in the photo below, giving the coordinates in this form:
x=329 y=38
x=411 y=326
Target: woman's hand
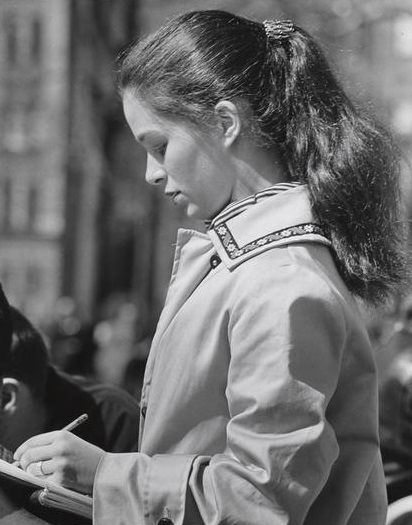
x=61 y=457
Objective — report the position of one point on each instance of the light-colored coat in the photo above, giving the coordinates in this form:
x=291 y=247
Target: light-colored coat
x=260 y=398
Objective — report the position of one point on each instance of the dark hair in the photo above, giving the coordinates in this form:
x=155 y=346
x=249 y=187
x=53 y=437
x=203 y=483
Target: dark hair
x=5 y=332
x=348 y=163
x=28 y=356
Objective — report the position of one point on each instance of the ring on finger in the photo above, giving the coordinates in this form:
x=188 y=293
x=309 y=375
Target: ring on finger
x=40 y=465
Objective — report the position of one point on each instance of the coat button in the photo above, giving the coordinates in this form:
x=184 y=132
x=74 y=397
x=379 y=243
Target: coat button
x=215 y=260
x=165 y=521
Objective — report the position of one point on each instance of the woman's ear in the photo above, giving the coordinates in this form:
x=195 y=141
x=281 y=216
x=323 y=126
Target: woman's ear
x=229 y=121
x=9 y=394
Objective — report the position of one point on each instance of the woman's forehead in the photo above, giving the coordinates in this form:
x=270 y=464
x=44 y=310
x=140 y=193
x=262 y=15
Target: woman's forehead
x=147 y=124
x=143 y=120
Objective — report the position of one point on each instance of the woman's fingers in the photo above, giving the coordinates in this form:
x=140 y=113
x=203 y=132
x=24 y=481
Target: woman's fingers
x=42 y=468
x=53 y=470
x=34 y=455
x=36 y=441
x=62 y=457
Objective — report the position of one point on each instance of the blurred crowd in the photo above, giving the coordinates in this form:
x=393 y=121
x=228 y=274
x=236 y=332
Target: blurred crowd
x=391 y=337
x=113 y=349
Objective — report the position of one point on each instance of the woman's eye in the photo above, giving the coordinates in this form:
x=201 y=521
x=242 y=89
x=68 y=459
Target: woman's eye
x=161 y=149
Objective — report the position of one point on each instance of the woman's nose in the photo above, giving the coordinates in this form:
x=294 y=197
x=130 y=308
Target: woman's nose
x=155 y=173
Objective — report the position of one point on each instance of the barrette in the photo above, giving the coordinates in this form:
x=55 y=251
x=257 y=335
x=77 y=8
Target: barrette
x=278 y=29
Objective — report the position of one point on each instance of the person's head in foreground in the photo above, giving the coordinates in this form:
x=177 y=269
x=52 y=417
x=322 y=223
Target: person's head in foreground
x=5 y=340
x=38 y=398
x=24 y=383
x=5 y=331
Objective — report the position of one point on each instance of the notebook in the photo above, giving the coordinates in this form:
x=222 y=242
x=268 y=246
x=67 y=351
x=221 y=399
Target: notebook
x=48 y=493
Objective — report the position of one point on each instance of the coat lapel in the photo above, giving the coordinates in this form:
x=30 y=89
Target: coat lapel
x=191 y=265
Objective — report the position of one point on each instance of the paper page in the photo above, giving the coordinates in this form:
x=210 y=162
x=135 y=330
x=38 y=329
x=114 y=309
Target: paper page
x=14 y=472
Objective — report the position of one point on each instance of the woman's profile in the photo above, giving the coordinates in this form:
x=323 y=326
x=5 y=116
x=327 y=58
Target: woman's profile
x=259 y=403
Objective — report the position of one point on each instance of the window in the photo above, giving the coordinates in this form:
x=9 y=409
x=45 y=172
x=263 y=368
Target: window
x=36 y=46
x=32 y=205
x=11 y=37
x=7 y=203
x=23 y=39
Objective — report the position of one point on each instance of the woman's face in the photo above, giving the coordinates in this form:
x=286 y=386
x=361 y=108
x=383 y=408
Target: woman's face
x=192 y=166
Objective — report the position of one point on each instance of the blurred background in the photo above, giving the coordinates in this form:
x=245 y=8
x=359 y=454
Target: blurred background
x=86 y=246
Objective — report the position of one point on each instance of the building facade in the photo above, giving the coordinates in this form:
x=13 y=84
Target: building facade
x=34 y=52
x=76 y=216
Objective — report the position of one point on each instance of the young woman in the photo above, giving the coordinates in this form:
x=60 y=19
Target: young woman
x=259 y=404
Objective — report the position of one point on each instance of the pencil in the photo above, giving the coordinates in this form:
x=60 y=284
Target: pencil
x=78 y=421
x=71 y=426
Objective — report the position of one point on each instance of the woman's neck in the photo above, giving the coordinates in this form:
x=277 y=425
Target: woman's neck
x=257 y=169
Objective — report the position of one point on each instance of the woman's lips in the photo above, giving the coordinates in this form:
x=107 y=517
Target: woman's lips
x=175 y=196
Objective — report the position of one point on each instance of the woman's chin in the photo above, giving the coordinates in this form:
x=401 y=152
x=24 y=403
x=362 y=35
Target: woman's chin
x=194 y=212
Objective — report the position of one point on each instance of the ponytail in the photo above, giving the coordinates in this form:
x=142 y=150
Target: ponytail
x=351 y=170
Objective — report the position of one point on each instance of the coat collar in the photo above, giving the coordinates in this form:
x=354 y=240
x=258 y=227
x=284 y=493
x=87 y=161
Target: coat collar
x=277 y=220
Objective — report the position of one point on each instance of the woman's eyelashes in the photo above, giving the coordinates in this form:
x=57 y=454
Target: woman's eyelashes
x=160 y=150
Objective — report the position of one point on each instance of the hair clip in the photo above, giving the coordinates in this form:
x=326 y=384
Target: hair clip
x=278 y=29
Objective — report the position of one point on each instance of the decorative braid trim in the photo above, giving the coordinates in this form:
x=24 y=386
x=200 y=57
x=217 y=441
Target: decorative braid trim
x=234 y=251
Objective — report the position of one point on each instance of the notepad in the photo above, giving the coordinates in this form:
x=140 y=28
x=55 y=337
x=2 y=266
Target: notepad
x=48 y=493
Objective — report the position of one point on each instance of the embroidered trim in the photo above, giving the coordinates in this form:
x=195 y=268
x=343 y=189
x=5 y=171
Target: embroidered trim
x=234 y=251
